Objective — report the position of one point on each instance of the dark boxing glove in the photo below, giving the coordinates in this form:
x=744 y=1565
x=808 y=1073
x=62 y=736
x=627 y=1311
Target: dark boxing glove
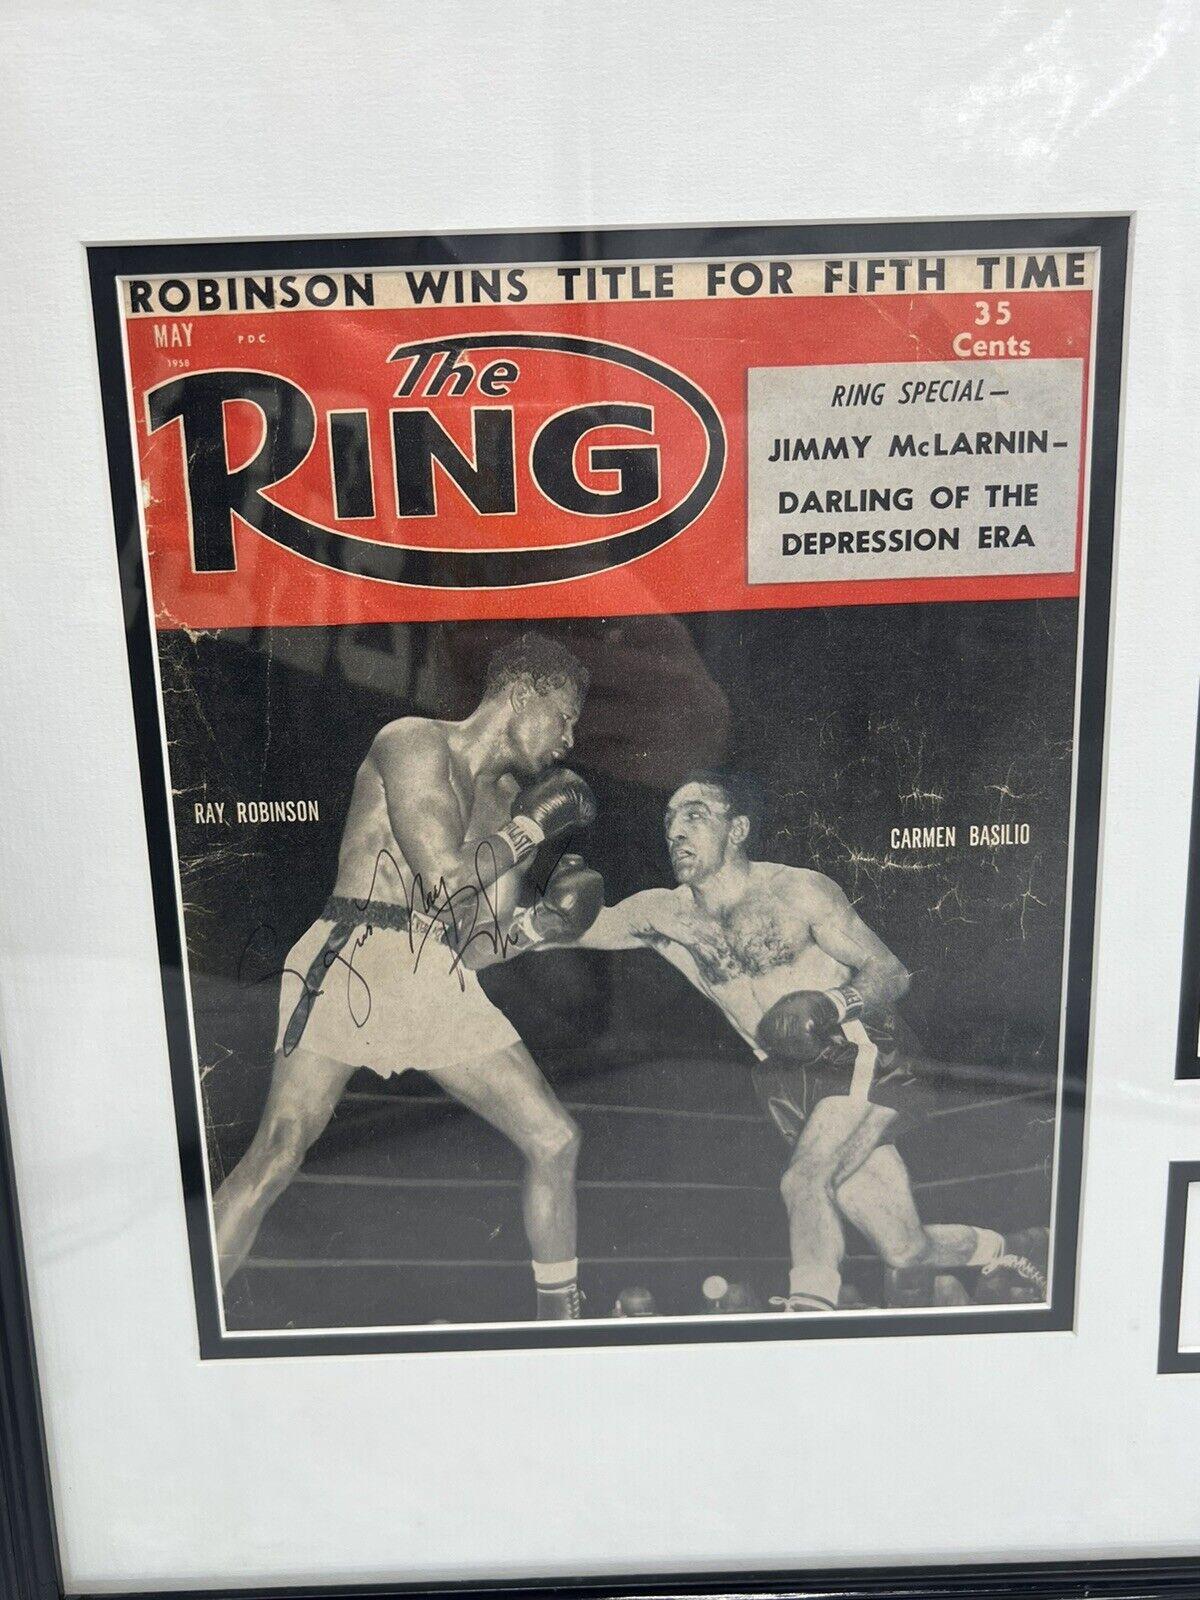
x=573 y=900
x=548 y=808
x=801 y=1025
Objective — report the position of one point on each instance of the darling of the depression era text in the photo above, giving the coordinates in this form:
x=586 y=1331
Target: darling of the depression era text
x=923 y=472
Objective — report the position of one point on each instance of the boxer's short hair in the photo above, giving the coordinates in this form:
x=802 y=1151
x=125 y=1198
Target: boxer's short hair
x=742 y=794
x=536 y=659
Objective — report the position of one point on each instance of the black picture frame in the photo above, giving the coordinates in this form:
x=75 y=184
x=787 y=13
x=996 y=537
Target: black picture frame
x=1187 y=1047
x=29 y=1563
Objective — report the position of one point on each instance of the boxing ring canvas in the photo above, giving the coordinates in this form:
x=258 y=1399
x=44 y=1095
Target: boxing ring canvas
x=741 y=599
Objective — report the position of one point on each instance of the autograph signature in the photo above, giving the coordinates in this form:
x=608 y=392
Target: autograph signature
x=458 y=918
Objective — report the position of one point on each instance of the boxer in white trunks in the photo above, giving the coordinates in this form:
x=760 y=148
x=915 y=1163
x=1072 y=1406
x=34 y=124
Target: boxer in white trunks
x=444 y=821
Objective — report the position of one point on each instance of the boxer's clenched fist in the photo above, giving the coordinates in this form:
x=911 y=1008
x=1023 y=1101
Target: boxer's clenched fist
x=557 y=802
x=573 y=900
x=553 y=805
x=801 y=1025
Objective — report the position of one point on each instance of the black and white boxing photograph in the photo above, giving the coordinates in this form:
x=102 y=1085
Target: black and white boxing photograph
x=636 y=971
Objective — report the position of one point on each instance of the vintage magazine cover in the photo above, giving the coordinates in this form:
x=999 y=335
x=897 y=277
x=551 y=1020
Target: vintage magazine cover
x=621 y=722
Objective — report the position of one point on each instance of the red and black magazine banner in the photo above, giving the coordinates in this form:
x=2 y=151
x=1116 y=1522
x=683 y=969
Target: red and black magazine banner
x=606 y=438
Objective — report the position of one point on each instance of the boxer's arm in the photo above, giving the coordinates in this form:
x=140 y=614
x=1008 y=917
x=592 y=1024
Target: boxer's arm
x=631 y=924
x=840 y=932
x=426 y=823
x=559 y=916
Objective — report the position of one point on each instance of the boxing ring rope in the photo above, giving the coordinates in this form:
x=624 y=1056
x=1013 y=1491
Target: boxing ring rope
x=384 y=1181
x=388 y=1182
x=615 y=1108
x=268 y=1263
x=635 y=1265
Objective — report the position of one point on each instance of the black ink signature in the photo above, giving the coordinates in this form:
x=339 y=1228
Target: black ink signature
x=466 y=915
x=497 y=941
x=358 y=992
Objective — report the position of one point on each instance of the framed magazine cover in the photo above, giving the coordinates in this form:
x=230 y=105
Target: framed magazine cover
x=948 y=865
x=590 y=908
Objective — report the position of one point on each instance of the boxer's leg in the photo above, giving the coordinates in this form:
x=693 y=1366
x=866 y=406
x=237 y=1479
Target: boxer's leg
x=305 y=1088
x=507 y=1090
x=878 y=1199
x=838 y=1136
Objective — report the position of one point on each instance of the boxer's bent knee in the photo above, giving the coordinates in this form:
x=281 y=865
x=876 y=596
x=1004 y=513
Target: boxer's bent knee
x=806 y=1178
x=558 y=1144
x=902 y=1254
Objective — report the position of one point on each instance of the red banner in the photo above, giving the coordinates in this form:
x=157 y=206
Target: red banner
x=596 y=421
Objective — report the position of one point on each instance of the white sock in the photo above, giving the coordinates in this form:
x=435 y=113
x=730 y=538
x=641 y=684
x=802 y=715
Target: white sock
x=989 y=1247
x=555 y=1274
x=822 y=1282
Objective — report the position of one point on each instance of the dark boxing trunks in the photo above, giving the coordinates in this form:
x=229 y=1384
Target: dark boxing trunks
x=788 y=1092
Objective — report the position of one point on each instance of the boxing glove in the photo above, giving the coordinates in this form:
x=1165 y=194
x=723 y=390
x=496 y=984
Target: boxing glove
x=801 y=1025
x=573 y=900
x=546 y=809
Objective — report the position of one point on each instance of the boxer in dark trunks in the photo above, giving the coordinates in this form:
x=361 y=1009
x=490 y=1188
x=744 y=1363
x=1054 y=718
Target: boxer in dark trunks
x=812 y=990
x=443 y=824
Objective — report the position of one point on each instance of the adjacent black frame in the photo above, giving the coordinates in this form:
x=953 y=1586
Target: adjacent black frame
x=1180 y=1177
x=1187 y=1046
x=29 y=1565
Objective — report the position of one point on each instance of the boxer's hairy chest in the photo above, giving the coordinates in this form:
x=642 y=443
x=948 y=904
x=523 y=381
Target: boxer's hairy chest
x=753 y=938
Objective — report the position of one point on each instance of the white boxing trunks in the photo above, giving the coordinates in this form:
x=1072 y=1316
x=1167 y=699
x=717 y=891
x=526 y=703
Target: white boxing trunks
x=363 y=988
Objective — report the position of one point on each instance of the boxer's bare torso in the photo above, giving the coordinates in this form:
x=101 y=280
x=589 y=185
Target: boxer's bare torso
x=748 y=953
x=388 y=844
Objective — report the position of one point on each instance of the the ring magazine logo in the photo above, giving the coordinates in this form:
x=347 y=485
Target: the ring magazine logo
x=621 y=723
x=568 y=461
